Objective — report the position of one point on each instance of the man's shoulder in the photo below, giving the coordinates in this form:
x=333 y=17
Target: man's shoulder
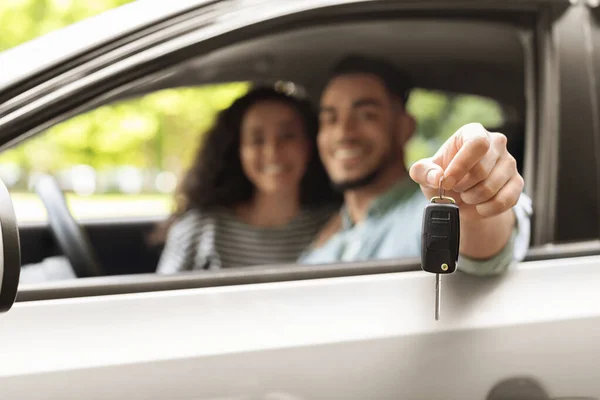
x=190 y=217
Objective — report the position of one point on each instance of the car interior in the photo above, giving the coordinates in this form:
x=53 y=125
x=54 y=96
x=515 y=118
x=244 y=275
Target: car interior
x=464 y=56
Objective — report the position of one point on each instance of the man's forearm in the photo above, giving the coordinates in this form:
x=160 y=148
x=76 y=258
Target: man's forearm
x=485 y=238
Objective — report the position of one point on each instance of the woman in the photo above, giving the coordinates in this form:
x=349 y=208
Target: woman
x=256 y=192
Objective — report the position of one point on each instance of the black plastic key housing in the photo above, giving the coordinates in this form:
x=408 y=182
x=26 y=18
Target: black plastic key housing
x=440 y=238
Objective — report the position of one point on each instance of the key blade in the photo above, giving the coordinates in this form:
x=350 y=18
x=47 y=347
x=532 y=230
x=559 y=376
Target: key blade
x=438 y=290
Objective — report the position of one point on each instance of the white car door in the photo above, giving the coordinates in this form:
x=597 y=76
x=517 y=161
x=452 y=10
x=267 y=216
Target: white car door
x=347 y=331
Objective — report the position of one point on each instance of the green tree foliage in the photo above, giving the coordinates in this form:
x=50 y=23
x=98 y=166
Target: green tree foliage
x=156 y=131
x=440 y=114
x=23 y=20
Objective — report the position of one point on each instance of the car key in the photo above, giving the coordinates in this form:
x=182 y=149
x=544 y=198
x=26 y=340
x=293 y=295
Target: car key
x=440 y=240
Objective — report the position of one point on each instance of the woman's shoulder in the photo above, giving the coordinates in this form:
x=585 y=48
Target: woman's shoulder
x=188 y=217
x=192 y=219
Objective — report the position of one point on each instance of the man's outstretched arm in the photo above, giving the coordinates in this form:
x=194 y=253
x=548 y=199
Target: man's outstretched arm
x=482 y=176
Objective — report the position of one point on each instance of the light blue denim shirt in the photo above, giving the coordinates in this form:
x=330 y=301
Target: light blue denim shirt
x=392 y=229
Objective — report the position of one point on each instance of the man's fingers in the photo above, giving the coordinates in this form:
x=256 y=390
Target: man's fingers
x=478 y=173
x=426 y=173
x=505 y=199
x=469 y=145
x=477 y=169
x=486 y=189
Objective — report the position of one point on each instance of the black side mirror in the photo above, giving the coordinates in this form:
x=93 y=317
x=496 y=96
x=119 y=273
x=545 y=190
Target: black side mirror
x=10 y=251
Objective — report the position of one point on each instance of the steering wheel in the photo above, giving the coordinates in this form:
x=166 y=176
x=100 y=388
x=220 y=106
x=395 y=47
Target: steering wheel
x=71 y=238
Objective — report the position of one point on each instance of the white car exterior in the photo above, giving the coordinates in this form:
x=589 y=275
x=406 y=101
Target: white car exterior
x=294 y=333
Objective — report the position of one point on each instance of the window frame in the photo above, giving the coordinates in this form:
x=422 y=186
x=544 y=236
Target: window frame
x=567 y=210
x=128 y=73
x=158 y=216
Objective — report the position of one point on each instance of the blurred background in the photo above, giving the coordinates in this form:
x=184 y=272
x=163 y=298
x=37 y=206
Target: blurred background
x=124 y=160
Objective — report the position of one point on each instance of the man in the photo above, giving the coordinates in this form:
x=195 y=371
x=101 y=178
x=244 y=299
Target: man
x=364 y=127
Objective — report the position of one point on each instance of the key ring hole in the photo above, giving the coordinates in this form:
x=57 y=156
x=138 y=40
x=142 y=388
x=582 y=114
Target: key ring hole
x=437 y=199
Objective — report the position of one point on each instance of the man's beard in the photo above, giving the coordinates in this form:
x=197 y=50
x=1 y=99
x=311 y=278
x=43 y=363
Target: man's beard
x=364 y=180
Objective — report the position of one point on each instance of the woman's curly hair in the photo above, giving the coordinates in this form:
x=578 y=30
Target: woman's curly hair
x=216 y=177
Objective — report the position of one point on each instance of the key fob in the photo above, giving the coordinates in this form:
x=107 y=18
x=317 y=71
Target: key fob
x=440 y=237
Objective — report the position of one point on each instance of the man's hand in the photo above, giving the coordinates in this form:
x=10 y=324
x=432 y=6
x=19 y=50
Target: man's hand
x=478 y=171
x=481 y=175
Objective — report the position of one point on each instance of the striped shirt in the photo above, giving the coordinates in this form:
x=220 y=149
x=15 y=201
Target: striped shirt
x=218 y=239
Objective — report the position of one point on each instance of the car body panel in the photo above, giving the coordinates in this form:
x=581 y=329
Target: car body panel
x=350 y=337
x=353 y=337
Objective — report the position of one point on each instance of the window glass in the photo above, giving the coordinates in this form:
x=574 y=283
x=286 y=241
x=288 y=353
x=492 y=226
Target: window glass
x=124 y=160
x=440 y=114
x=120 y=160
